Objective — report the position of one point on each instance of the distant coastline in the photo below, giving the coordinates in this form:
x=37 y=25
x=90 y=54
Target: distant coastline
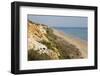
x=78 y=32
x=79 y=43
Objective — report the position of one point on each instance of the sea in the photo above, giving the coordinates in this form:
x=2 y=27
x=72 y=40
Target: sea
x=78 y=32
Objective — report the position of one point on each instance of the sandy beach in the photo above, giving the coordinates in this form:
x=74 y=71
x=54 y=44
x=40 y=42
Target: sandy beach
x=80 y=44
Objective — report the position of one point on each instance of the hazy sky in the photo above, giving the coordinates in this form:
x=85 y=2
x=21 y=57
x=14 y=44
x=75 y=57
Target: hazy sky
x=60 y=21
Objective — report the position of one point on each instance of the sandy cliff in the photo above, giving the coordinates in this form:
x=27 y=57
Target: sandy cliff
x=45 y=43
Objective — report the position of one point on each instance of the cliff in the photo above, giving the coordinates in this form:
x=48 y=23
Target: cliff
x=44 y=44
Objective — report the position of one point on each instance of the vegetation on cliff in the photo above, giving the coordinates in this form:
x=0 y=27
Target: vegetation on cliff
x=52 y=46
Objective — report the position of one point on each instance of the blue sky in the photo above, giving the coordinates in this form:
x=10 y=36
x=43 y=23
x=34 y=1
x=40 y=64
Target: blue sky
x=60 y=21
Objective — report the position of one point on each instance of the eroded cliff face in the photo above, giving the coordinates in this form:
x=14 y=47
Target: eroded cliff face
x=36 y=34
x=43 y=44
x=37 y=31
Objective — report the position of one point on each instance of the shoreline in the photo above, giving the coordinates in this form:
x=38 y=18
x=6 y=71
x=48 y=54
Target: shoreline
x=79 y=43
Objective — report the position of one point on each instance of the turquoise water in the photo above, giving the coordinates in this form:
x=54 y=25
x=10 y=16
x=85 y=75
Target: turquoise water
x=81 y=33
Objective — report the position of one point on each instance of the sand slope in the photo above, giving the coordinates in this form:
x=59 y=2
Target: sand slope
x=80 y=44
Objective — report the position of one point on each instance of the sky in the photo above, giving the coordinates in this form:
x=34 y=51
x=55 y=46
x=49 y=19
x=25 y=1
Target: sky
x=59 y=21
